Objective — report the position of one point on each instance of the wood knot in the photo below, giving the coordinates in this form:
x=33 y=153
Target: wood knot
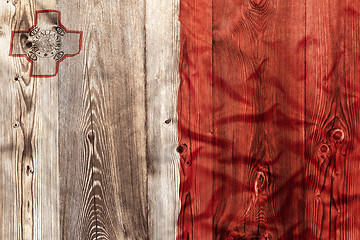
x=337 y=135
x=181 y=148
x=324 y=151
x=29 y=44
x=260 y=182
x=29 y=170
x=324 y=148
x=260 y=5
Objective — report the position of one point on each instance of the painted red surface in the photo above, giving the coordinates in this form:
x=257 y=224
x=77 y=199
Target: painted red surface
x=268 y=113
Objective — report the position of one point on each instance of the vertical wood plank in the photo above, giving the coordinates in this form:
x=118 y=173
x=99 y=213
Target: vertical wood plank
x=347 y=178
x=162 y=79
x=76 y=152
x=331 y=96
x=107 y=100
x=243 y=121
x=324 y=47
x=118 y=116
x=8 y=221
x=258 y=97
x=35 y=211
x=195 y=127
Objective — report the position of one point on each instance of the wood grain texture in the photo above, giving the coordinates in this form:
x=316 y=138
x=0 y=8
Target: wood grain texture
x=270 y=135
x=237 y=180
x=268 y=113
x=90 y=154
x=261 y=116
x=110 y=104
x=332 y=105
x=122 y=141
x=78 y=217
x=196 y=127
x=162 y=81
x=9 y=222
x=33 y=184
x=347 y=184
x=117 y=94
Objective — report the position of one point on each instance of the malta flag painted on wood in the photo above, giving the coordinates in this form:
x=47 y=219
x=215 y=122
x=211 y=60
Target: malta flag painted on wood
x=268 y=115
x=250 y=133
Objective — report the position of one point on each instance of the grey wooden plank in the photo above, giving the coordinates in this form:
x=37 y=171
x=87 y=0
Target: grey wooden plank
x=33 y=212
x=104 y=93
x=114 y=67
x=78 y=217
x=8 y=221
x=78 y=159
x=162 y=82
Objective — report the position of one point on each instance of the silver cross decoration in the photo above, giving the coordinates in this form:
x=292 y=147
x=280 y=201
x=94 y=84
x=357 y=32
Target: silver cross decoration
x=46 y=44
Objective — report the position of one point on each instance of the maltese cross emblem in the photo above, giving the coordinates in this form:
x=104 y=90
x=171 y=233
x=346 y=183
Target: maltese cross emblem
x=45 y=44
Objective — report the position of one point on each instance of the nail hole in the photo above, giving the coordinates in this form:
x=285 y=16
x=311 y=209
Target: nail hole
x=16 y=78
x=168 y=121
x=16 y=125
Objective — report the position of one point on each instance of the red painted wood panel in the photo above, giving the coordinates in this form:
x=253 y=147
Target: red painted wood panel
x=268 y=113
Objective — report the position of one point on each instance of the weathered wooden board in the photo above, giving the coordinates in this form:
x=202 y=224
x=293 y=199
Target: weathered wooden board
x=268 y=111
x=267 y=128
x=31 y=182
x=162 y=83
x=90 y=153
x=332 y=83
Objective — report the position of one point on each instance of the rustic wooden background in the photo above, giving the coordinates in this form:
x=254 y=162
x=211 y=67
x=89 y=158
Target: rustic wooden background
x=269 y=115
x=91 y=153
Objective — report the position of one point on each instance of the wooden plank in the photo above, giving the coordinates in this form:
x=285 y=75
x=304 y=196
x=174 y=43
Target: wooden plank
x=195 y=131
x=78 y=216
x=162 y=79
x=332 y=105
x=268 y=109
x=83 y=162
x=8 y=220
x=33 y=181
x=105 y=96
x=118 y=115
x=243 y=122
x=266 y=131
x=347 y=175
x=277 y=151
x=323 y=77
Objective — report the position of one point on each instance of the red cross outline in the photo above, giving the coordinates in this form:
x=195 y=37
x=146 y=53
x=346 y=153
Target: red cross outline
x=57 y=62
